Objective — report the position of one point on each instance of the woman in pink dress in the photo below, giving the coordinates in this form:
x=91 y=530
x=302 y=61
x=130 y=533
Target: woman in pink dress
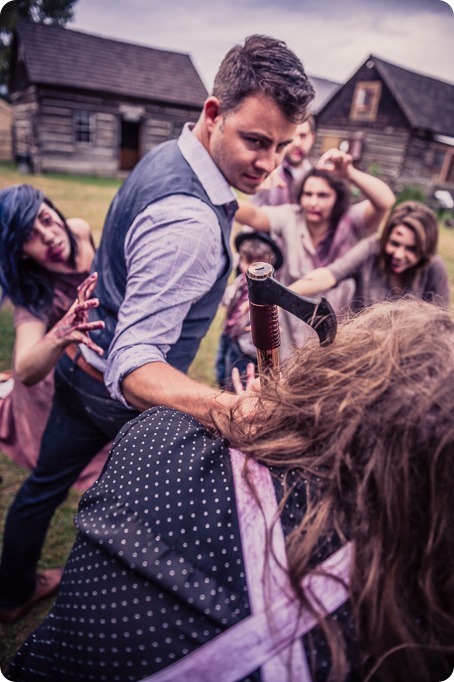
x=45 y=263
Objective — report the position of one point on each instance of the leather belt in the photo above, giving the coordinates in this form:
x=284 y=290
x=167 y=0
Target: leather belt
x=73 y=352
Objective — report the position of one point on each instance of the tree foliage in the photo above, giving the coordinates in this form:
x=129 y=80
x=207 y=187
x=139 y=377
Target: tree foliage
x=42 y=11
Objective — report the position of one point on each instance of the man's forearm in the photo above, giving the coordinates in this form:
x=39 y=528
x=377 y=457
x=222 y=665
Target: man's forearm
x=158 y=383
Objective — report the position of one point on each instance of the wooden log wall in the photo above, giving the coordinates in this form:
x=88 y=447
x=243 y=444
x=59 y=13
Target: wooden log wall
x=383 y=151
x=6 y=117
x=44 y=129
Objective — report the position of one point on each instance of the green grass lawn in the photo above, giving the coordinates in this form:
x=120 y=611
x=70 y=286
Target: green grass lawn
x=89 y=198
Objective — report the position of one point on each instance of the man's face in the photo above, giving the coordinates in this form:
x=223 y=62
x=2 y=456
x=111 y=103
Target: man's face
x=247 y=144
x=299 y=149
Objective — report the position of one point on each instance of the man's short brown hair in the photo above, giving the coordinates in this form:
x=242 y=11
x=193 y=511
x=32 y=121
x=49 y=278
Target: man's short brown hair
x=266 y=66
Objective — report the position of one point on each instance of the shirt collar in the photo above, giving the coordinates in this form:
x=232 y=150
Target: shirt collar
x=287 y=168
x=211 y=178
x=296 y=173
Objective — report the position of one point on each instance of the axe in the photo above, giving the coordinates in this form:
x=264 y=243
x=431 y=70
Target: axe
x=265 y=295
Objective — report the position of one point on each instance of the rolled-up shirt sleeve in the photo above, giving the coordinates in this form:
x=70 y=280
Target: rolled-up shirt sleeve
x=173 y=254
x=279 y=218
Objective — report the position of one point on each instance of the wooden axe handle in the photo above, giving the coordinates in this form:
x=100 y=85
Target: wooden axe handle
x=265 y=332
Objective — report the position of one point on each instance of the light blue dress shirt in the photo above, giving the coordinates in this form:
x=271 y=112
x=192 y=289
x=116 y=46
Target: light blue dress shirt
x=174 y=255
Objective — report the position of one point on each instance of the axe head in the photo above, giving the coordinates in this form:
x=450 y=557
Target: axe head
x=264 y=290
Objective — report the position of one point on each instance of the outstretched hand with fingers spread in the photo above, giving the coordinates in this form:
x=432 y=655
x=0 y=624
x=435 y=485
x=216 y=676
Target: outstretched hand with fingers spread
x=74 y=327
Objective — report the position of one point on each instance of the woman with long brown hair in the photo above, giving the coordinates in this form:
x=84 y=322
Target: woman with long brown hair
x=180 y=569
x=402 y=259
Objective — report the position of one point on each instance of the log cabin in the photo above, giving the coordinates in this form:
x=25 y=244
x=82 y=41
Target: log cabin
x=395 y=122
x=6 y=117
x=91 y=105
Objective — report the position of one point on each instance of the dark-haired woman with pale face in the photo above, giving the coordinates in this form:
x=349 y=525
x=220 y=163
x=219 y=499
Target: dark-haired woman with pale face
x=45 y=263
x=320 y=227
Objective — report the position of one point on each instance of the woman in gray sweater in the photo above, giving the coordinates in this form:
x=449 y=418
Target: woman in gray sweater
x=402 y=260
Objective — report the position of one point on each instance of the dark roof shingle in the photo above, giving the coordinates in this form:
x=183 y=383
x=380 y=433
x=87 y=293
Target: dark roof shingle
x=428 y=103
x=58 y=56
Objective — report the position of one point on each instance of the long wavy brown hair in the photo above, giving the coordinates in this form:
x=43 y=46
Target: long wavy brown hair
x=422 y=221
x=369 y=422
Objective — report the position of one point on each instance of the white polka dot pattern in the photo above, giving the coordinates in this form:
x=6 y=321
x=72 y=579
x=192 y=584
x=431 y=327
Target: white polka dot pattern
x=157 y=568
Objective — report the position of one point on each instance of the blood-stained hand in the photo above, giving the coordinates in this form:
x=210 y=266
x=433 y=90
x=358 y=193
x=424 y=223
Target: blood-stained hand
x=74 y=327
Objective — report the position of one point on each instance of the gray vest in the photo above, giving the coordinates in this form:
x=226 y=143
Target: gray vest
x=161 y=173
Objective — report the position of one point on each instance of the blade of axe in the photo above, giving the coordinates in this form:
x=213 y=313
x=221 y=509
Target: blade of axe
x=265 y=290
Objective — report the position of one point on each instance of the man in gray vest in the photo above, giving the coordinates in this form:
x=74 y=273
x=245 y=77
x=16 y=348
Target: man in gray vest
x=162 y=265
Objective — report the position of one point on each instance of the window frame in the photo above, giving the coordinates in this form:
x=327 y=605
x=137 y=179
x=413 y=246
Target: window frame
x=84 y=128
x=370 y=92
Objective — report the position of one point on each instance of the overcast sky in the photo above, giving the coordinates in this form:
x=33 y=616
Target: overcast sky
x=331 y=37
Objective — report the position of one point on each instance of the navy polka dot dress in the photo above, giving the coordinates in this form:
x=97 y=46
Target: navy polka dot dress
x=157 y=567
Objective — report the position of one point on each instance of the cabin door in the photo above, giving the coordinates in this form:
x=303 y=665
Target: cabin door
x=129 y=144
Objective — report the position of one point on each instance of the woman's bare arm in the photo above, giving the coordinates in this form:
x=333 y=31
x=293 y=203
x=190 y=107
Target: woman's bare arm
x=252 y=215
x=315 y=282
x=380 y=197
x=37 y=351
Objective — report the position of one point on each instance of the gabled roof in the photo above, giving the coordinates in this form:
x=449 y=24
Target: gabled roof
x=57 y=56
x=324 y=89
x=427 y=103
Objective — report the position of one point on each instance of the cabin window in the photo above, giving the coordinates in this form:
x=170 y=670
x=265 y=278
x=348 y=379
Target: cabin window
x=447 y=173
x=84 y=126
x=365 y=101
x=435 y=160
x=353 y=145
x=440 y=163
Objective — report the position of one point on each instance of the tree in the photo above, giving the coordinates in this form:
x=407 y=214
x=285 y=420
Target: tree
x=43 y=11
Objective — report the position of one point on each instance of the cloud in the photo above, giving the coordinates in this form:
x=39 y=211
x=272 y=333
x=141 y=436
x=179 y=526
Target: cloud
x=332 y=38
